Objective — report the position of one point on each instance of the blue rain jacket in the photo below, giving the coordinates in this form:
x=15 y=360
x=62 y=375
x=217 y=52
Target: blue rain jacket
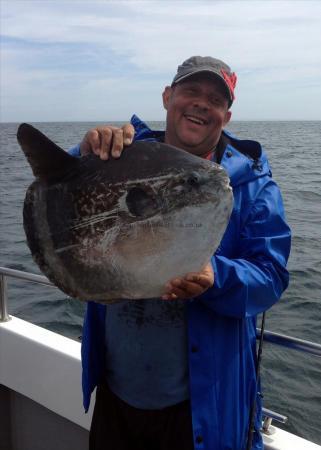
x=250 y=276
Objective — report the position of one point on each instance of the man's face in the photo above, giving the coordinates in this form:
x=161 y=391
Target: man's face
x=197 y=111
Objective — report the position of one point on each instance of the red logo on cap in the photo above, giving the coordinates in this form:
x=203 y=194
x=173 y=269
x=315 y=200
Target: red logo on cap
x=230 y=81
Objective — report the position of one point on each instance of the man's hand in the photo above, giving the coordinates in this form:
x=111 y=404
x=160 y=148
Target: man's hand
x=106 y=141
x=192 y=285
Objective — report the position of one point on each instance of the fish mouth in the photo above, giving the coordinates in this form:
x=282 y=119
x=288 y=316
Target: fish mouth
x=198 y=120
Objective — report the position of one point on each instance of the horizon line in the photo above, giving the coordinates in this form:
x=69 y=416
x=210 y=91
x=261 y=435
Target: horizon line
x=155 y=120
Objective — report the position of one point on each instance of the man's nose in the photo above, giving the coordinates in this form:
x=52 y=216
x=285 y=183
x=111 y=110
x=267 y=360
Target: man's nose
x=201 y=102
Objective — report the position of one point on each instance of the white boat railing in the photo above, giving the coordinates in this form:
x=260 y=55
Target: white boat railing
x=269 y=336
x=291 y=342
x=13 y=273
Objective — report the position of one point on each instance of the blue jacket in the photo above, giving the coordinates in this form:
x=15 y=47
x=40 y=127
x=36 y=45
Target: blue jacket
x=250 y=276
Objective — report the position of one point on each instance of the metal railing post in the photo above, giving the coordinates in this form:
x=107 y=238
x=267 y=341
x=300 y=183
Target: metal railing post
x=4 y=316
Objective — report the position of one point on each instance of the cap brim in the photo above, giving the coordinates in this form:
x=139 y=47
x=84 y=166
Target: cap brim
x=212 y=72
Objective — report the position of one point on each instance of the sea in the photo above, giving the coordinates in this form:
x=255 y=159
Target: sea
x=291 y=380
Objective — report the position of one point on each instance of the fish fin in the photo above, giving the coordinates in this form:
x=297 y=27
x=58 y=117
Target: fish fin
x=47 y=160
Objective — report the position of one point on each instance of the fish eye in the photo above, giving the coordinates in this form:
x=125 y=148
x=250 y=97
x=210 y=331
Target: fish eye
x=193 y=179
x=140 y=203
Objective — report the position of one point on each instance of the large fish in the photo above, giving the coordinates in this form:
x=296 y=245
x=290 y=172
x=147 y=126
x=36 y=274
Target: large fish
x=109 y=230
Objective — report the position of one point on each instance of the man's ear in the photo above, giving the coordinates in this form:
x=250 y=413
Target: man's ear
x=166 y=96
x=228 y=116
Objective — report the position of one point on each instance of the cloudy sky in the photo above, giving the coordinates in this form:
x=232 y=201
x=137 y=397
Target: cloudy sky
x=92 y=61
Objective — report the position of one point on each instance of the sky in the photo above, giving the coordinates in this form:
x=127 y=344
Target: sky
x=105 y=60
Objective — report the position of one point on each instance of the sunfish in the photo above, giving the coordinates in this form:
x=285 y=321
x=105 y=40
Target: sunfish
x=121 y=229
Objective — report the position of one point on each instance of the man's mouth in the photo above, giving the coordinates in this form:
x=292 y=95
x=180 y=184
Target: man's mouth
x=195 y=119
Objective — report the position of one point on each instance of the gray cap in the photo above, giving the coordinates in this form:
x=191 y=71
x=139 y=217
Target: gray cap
x=197 y=64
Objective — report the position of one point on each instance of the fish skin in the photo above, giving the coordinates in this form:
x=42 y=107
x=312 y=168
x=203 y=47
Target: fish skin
x=120 y=229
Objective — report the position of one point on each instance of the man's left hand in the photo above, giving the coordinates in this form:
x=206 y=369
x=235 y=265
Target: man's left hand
x=192 y=285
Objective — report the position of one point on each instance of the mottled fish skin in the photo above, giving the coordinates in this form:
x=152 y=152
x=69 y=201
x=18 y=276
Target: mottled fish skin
x=109 y=230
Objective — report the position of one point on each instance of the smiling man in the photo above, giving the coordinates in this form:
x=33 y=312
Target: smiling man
x=179 y=372
x=197 y=106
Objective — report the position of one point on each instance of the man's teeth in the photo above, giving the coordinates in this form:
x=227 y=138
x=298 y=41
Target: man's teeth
x=195 y=120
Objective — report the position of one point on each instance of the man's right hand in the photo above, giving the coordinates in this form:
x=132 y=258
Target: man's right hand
x=107 y=141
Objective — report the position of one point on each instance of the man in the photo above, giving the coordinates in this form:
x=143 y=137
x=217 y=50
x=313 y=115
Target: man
x=179 y=372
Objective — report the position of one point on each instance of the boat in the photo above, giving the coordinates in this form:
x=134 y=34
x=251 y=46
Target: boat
x=40 y=385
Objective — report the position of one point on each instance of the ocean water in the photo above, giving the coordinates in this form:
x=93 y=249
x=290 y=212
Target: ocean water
x=291 y=379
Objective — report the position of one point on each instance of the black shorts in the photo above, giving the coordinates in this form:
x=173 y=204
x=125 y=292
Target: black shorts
x=118 y=426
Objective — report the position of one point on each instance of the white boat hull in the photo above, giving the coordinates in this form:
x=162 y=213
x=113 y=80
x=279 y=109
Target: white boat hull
x=40 y=388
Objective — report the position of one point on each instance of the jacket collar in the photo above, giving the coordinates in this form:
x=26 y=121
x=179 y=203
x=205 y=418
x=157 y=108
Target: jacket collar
x=243 y=159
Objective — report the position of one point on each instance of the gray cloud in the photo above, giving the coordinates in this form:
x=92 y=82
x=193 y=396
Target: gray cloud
x=64 y=57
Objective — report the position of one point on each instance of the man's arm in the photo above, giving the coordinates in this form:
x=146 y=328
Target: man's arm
x=254 y=281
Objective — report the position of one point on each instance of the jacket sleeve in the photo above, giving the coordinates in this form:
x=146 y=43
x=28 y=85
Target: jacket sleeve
x=255 y=278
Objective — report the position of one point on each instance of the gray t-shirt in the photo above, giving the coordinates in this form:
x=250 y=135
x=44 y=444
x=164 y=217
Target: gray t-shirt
x=146 y=352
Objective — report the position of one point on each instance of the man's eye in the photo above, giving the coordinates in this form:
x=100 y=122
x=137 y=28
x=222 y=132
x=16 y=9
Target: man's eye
x=216 y=101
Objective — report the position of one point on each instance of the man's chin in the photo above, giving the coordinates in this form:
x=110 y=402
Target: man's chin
x=190 y=143
x=193 y=147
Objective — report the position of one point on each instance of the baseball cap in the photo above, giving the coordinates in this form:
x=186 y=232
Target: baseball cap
x=197 y=64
